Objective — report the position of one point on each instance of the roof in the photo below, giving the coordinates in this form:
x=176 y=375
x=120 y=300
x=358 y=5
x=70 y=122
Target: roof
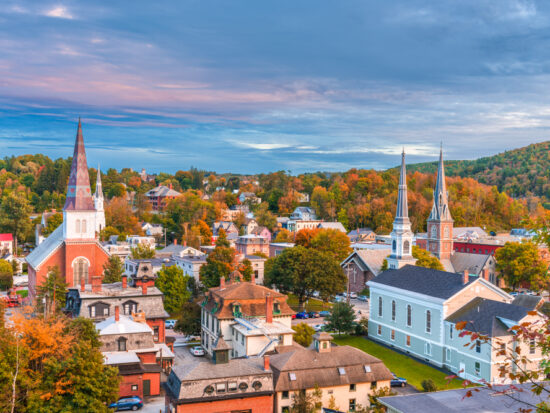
x=79 y=194
x=259 y=327
x=310 y=368
x=486 y=316
x=162 y=191
x=459 y=232
x=530 y=302
x=6 y=237
x=360 y=231
x=120 y=357
x=125 y=325
x=434 y=283
x=45 y=248
x=487 y=400
x=332 y=225
x=221 y=344
x=370 y=259
x=474 y=263
x=208 y=370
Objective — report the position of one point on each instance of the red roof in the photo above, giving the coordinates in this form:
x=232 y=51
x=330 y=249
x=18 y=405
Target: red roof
x=6 y=237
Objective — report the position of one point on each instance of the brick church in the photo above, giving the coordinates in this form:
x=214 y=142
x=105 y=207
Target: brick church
x=74 y=246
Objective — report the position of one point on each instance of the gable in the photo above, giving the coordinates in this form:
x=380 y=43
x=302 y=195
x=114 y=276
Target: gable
x=479 y=288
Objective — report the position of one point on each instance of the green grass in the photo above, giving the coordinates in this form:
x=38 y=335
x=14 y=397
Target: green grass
x=23 y=293
x=401 y=365
x=312 y=305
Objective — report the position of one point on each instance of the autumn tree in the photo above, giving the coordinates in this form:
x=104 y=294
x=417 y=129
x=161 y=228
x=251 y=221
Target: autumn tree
x=219 y=263
x=143 y=251
x=520 y=263
x=304 y=334
x=332 y=242
x=52 y=223
x=264 y=217
x=425 y=259
x=307 y=401
x=15 y=216
x=284 y=235
x=173 y=284
x=305 y=236
x=6 y=275
x=50 y=298
x=113 y=270
x=118 y=214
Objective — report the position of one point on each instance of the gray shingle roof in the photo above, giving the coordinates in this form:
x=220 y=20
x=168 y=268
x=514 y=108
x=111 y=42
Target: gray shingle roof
x=482 y=314
x=474 y=263
x=529 y=301
x=434 y=283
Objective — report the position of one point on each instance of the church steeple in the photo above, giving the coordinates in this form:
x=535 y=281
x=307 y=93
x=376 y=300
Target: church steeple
x=440 y=222
x=401 y=236
x=98 y=203
x=79 y=196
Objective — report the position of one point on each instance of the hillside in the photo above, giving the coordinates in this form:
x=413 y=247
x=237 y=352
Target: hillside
x=520 y=172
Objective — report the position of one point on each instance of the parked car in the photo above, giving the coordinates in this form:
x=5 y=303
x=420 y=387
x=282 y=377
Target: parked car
x=324 y=313
x=293 y=316
x=313 y=314
x=339 y=299
x=170 y=323
x=302 y=315
x=127 y=403
x=362 y=298
x=197 y=351
x=398 y=381
x=352 y=295
x=318 y=327
x=513 y=293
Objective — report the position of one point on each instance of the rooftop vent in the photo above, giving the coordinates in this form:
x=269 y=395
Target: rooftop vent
x=292 y=376
x=367 y=369
x=342 y=371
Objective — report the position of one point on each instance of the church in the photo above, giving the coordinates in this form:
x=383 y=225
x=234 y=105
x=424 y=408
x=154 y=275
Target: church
x=74 y=246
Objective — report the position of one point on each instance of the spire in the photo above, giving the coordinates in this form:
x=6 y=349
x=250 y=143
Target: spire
x=98 y=186
x=402 y=212
x=79 y=197
x=440 y=208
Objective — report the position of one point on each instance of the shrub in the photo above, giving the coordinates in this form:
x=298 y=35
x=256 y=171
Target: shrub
x=362 y=327
x=428 y=385
x=365 y=291
x=304 y=334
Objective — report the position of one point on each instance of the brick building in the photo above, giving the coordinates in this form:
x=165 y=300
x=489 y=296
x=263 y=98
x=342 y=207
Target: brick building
x=158 y=196
x=252 y=244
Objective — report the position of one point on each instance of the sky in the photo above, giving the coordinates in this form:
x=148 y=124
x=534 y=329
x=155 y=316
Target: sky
x=259 y=86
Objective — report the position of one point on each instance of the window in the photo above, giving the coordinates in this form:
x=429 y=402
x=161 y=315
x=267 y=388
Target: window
x=451 y=331
x=341 y=371
x=83 y=226
x=121 y=344
x=351 y=405
x=409 y=315
x=77 y=226
x=428 y=321
x=477 y=368
x=379 y=330
x=428 y=349
x=367 y=369
x=408 y=341
x=532 y=346
x=285 y=394
x=373 y=385
x=393 y=335
x=478 y=346
x=92 y=311
x=393 y=246
x=232 y=386
x=129 y=307
x=285 y=409
x=156 y=333
x=80 y=271
x=503 y=347
x=352 y=387
x=448 y=354
x=292 y=376
x=134 y=387
x=220 y=387
x=406 y=247
x=434 y=231
x=379 y=306
x=393 y=310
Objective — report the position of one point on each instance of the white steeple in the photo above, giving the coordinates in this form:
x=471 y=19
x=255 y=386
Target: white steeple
x=98 y=202
x=401 y=236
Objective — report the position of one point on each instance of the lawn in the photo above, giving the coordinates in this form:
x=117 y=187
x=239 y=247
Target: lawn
x=23 y=293
x=312 y=305
x=401 y=365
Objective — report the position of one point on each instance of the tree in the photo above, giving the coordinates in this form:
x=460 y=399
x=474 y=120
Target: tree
x=118 y=214
x=173 y=284
x=143 y=251
x=333 y=242
x=520 y=263
x=284 y=235
x=425 y=259
x=341 y=318
x=53 y=222
x=304 y=271
x=246 y=270
x=219 y=263
x=306 y=402
x=189 y=322
x=15 y=216
x=6 y=275
x=304 y=237
x=304 y=334
x=50 y=298
x=107 y=232
x=113 y=270
x=264 y=217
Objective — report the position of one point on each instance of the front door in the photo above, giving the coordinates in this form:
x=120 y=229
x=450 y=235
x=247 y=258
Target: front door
x=146 y=387
x=462 y=370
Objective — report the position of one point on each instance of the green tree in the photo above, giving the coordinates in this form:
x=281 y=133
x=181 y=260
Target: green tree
x=107 y=232
x=15 y=216
x=246 y=270
x=307 y=401
x=189 y=322
x=304 y=334
x=425 y=259
x=6 y=275
x=143 y=251
x=53 y=222
x=341 y=318
x=173 y=284
x=520 y=262
x=303 y=271
x=50 y=298
x=113 y=270
x=219 y=262
x=264 y=217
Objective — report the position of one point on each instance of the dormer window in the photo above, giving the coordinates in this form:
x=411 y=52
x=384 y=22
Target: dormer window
x=276 y=308
x=237 y=310
x=129 y=307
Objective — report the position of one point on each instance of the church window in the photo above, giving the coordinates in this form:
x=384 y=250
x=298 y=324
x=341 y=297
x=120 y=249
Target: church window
x=379 y=306
x=77 y=226
x=446 y=232
x=80 y=271
x=393 y=310
x=394 y=245
x=406 y=247
x=83 y=226
x=434 y=231
x=428 y=321
x=409 y=315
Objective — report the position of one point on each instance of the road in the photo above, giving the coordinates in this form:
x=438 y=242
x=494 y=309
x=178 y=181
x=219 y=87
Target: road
x=361 y=310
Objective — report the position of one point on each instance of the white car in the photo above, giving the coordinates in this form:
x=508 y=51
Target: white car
x=170 y=323
x=197 y=351
x=352 y=295
x=318 y=327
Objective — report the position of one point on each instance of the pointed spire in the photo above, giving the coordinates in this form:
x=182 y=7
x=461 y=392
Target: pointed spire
x=98 y=186
x=79 y=197
x=402 y=212
x=440 y=208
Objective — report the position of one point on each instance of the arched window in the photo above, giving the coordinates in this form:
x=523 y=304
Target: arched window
x=406 y=247
x=129 y=307
x=379 y=306
x=434 y=231
x=80 y=271
x=121 y=343
x=83 y=226
x=77 y=226
x=446 y=232
x=393 y=246
x=409 y=315
x=428 y=321
x=393 y=310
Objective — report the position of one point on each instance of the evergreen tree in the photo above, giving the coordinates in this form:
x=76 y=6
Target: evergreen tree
x=219 y=263
x=341 y=318
x=113 y=270
x=173 y=284
x=143 y=251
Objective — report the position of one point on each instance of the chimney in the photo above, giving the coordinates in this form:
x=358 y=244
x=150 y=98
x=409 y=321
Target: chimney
x=83 y=284
x=117 y=313
x=266 y=363
x=252 y=278
x=465 y=277
x=184 y=243
x=96 y=284
x=175 y=241
x=222 y=282
x=268 y=308
x=170 y=185
x=144 y=288
x=124 y=281
x=486 y=274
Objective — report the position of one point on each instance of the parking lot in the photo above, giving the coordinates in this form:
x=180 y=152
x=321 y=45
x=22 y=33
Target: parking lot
x=361 y=310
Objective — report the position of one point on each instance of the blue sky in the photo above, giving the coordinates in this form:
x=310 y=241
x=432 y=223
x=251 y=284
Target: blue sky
x=259 y=86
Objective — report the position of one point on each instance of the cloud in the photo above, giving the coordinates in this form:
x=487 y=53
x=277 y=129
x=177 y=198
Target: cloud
x=60 y=12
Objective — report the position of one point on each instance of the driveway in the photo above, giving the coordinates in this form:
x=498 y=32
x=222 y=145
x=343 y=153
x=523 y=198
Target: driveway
x=153 y=405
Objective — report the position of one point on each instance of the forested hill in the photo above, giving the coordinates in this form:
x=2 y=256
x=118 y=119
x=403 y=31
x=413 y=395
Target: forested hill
x=520 y=172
